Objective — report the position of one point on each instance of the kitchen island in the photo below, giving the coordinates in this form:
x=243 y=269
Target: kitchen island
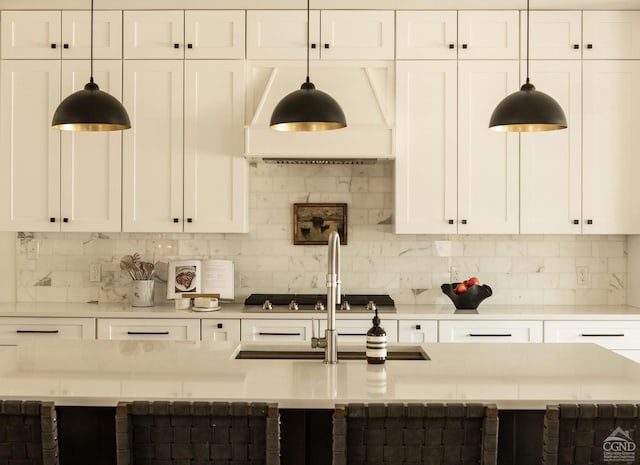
x=86 y=379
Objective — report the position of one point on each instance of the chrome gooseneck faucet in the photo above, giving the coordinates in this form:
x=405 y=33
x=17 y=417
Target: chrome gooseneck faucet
x=330 y=340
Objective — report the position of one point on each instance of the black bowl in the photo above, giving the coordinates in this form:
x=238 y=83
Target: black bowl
x=470 y=299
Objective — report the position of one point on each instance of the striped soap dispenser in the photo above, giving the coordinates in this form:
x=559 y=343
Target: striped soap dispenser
x=376 y=342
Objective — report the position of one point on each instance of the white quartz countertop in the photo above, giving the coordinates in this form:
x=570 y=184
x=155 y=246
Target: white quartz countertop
x=407 y=312
x=514 y=376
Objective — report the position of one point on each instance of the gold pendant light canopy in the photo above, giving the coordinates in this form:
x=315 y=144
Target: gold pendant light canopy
x=528 y=110
x=307 y=109
x=91 y=109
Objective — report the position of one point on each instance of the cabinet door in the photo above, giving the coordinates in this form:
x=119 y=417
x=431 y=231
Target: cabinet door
x=488 y=168
x=220 y=330
x=153 y=34
x=488 y=34
x=282 y=35
x=361 y=35
x=153 y=329
x=490 y=331
x=611 y=35
x=31 y=34
x=551 y=162
x=152 y=149
x=553 y=35
x=14 y=330
x=426 y=147
x=417 y=331
x=214 y=34
x=426 y=35
x=91 y=162
x=216 y=171
x=30 y=147
x=610 y=161
x=107 y=34
x=275 y=330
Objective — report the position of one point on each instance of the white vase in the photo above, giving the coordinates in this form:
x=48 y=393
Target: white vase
x=142 y=293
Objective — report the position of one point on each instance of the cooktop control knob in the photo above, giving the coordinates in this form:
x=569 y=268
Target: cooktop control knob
x=345 y=306
x=371 y=306
x=319 y=306
x=267 y=305
x=293 y=305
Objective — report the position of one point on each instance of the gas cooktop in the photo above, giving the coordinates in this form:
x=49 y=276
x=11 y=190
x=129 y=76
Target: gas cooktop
x=291 y=303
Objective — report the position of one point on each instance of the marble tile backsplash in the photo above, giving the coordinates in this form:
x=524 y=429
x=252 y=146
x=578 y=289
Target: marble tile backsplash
x=521 y=269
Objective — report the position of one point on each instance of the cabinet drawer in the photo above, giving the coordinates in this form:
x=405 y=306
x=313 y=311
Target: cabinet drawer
x=356 y=330
x=417 y=331
x=220 y=330
x=490 y=331
x=14 y=330
x=275 y=330
x=149 y=328
x=610 y=334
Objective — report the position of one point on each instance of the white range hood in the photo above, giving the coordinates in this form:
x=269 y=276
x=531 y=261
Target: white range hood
x=364 y=90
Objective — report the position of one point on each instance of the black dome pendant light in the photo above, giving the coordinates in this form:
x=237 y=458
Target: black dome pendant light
x=528 y=109
x=91 y=109
x=307 y=109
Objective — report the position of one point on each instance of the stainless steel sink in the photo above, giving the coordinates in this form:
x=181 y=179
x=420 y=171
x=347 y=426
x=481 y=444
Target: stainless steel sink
x=248 y=352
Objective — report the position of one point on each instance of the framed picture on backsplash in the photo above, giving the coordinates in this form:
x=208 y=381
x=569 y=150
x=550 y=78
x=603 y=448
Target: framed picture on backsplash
x=313 y=222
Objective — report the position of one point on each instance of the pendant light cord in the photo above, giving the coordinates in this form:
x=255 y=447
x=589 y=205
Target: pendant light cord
x=308 y=34
x=527 y=42
x=91 y=76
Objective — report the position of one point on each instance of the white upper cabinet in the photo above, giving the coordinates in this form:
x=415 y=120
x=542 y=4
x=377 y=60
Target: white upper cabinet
x=488 y=161
x=427 y=35
x=91 y=162
x=611 y=35
x=30 y=154
x=333 y=34
x=56 y=34
x=488 y=34
x=216 y=173
x=55 y=180
x=282 y=34
x=426 y=167
x=551 y=161
x=214 y=34
x=153 y=34
x=183 y=34
x=553 y=35
x=152 y=171
x=609 y=149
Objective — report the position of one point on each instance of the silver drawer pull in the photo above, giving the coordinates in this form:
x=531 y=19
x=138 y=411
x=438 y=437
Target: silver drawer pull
x=278 y=334
x=490 y=335
x=150 y=333
x=37 y=331
x=602 y=335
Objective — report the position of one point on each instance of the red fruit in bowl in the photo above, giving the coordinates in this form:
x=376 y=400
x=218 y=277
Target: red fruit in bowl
x=473 y=281
x=461 y=288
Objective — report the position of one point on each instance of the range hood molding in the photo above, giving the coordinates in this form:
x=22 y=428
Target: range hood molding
x=365 y=91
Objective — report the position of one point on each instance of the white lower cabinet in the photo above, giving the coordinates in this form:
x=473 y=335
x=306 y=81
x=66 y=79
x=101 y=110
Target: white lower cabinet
x=417 y=331
x=356 y=330
x=156 y=329
x=18 y=329
x=220 y=329
x=490 y=331
x=610 y=334
x=275 y=330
